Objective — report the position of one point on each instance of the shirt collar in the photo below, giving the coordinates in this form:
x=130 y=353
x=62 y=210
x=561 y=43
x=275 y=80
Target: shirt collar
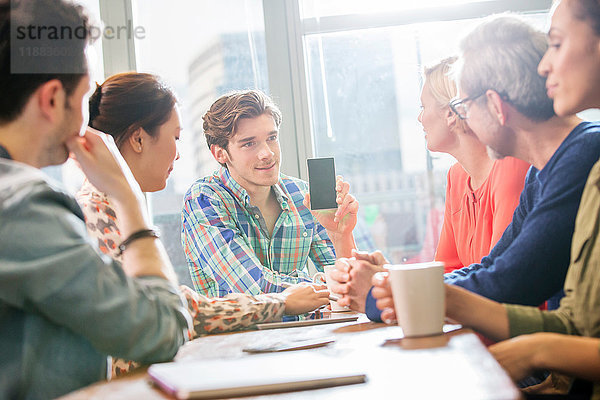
x=242 y=195
x=4 y=153
x=281 y=194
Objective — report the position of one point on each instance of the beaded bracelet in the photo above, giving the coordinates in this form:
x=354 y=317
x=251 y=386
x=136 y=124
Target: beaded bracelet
x=143 y=233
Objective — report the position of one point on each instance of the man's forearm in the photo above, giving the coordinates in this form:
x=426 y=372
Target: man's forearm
x=131 y=214
x=342 y=243
x=145 y=256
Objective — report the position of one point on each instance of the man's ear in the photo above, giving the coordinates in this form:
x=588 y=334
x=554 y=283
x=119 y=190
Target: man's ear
x=497 y=106
x=136 y=140
x=51 y=99
x=219 y=153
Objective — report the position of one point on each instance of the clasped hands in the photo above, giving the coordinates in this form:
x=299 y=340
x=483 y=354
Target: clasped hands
x=354 y=277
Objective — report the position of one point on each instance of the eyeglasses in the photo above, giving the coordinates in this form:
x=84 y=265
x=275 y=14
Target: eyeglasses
x=460 y=108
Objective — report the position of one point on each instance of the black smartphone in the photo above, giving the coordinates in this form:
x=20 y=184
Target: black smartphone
x=321 y=181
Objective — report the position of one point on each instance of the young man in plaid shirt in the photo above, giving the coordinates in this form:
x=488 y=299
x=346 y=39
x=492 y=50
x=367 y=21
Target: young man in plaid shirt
x=248 y=228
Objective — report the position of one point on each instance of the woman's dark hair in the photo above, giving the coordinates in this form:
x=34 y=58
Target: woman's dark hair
x=128 y=101
x=588 y=10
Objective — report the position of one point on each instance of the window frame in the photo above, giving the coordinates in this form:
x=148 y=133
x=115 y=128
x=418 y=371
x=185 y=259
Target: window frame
x=118 y=53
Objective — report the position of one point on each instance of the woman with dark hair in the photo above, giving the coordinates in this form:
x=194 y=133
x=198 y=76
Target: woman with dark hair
x=141 y=114
x=572 y=62
x=566 y=340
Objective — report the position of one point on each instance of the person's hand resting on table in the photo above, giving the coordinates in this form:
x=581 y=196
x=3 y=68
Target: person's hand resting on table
x=305 y=297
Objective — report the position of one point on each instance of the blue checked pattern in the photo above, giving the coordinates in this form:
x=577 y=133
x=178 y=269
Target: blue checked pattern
x=228 y=252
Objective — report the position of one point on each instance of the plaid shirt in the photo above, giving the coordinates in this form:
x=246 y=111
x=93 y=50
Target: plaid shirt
x=227 y=244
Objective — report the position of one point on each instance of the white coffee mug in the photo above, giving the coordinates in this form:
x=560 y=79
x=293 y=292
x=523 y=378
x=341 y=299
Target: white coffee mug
x=419 y=297
x=325 y=277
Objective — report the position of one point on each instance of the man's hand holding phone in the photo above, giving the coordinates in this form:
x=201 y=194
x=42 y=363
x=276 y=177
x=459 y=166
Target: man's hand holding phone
x=331 y=204
x=343 y=219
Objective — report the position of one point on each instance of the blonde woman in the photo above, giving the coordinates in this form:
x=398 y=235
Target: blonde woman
x=481 y=193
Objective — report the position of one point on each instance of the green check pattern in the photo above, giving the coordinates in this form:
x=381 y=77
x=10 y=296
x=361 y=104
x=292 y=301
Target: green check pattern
x=228 y=251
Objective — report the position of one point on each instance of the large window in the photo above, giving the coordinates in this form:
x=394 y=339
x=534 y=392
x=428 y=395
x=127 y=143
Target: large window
x=359 y=72
x=363 y=77
x=346 y=74
x=329 y=8
x=202 y=49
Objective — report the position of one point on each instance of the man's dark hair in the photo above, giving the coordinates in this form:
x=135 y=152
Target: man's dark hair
x=221 y=120
x=27 y=64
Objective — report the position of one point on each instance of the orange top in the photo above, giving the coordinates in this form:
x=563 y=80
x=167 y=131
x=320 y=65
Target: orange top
x=474 y=220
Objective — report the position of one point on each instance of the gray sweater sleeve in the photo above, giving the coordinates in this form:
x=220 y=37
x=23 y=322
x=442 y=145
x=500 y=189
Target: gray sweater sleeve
x=52 y=269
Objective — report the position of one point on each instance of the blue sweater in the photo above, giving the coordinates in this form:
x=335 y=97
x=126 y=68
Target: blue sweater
x=529 y=263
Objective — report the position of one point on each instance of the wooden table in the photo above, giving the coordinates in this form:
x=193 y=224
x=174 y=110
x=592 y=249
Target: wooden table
x=455 y=365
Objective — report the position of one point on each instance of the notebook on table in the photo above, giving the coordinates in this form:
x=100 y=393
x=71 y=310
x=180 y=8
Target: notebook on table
x=252 y=375
x=324 y=318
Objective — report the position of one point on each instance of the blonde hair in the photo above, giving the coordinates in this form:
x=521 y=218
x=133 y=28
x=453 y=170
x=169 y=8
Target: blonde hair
x=442 y=86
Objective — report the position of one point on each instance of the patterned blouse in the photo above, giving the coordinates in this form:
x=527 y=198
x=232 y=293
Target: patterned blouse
x=211 y=315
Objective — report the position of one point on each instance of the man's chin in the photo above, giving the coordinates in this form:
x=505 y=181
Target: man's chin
x=271 y=180
x=55 y=159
